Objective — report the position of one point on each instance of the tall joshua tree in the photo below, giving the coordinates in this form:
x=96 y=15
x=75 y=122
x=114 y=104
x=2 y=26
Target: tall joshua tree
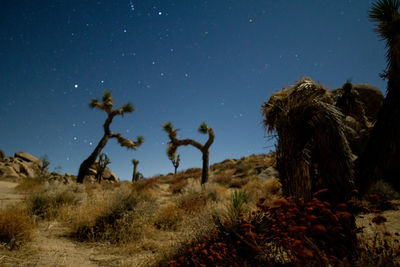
x=175 y=162
x=134 y=175
x=174 y=143
x=107 y=105
x=382 y=154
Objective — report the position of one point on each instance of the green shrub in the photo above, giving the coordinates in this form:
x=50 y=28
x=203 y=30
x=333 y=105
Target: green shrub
x=238 y=199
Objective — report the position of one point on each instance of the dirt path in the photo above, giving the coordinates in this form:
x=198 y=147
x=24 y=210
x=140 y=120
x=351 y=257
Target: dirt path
x=8 y=194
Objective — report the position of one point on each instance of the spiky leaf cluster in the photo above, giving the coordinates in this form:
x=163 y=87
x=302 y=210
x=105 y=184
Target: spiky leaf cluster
x=203 y=128
x=168 y=127
x=386 y=14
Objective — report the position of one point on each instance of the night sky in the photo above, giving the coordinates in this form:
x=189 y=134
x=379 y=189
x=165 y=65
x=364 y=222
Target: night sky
x=180 y=61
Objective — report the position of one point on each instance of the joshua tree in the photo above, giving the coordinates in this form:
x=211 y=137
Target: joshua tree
x=382 y=154
x=134 y=175
x=101 y=166
x=174 y=143
x=107 y=105
x=175 y=162
x=312 y=150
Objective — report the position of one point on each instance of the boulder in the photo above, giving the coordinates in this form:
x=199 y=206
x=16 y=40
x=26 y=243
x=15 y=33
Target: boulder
x=8 y=172
x=372 y=98
x=268 y=173
x=27 y=157
x=108 y=175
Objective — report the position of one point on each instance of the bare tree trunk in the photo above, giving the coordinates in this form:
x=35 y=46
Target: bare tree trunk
x=204 y=173
x=87 y=163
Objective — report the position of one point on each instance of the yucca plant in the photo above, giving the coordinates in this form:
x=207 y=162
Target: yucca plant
x=174 y=143
x=101 y=166
x=175 y=162
x=382 y=154
x=134 y=175
x=107 y=105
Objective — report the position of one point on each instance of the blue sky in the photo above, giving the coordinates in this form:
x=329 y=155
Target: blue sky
x=180 y=61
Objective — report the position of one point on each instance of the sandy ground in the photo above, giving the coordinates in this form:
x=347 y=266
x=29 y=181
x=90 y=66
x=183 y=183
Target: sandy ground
x=51 y=245
x=8 y=194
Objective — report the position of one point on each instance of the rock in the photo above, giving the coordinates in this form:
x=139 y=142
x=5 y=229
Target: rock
x=372 y=98
x=268 y=173
x=108 y=175
x=8 y=172
x=27 y=157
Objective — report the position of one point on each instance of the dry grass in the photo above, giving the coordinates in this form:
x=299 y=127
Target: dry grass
x=15 y=227
x=168 y=217
x=31 y=185
x=52 y=202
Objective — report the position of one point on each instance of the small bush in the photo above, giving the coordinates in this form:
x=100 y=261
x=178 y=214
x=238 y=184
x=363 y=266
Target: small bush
x=112 y=226
x=46 y=205
x=31 y=185
x=288 y=233
x=15 y=227
x=177 y=184
x=380 y=196
x=168 y=217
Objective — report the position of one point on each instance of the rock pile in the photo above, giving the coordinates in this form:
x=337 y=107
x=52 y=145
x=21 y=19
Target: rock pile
x=22 y=165
x=108 y=176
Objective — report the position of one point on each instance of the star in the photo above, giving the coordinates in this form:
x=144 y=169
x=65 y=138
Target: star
x=76 y=85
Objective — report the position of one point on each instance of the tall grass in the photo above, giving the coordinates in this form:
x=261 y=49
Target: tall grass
x=15 y=227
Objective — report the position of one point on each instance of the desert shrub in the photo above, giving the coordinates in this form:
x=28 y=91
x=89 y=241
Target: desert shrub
x=167 y=217
x=192 y=199
x=15 y=227
x=290 y=232
x=112 y=225
x=242 y=167
x=31 y=185
x=46 y=204
x=380 y=196
x=192 y=203
x=214 y=192
x=223 y=178
x=238 y=182
x=177 y=184
x=144 y=184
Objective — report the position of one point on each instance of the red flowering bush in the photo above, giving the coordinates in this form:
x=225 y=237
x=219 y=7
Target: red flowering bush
x=288 y=232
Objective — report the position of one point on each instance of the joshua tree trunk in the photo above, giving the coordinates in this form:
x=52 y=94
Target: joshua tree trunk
x=382 y=154
x=134 y=175
x=175 y=143
x=87 y=163
x=204 y=173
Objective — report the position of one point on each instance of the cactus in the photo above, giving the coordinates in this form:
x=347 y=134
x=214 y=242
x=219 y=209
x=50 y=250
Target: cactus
x=101 y=166
x=134 y=175
x=174 y=143
x=175 y=162
x=107 y=105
